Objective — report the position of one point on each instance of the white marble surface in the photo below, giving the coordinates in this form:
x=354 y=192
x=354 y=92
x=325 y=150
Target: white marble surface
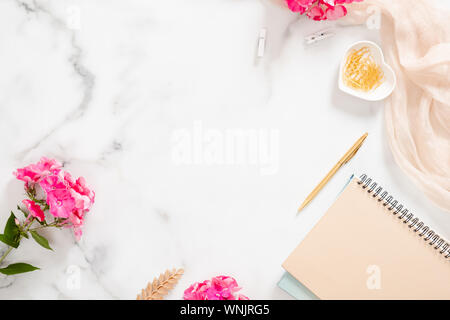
x=118 y=92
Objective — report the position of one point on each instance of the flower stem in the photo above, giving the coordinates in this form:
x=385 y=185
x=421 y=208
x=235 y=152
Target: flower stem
x=42 y=227
x=29 y=224
x=5 y=254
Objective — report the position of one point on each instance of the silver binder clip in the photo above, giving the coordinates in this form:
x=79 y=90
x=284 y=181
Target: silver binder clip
x=319 y=35
x=261 y=43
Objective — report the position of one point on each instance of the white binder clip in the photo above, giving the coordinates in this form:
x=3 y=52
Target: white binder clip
x=319 y=35
x=261 y=43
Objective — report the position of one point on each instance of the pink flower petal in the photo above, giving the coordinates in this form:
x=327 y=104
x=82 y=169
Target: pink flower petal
x=219 y=288
x=299 y=6
x=35 y=172
x=316 y=13
x=336 y=12
x=61 y=203
x=51 y=183
x=34 y=209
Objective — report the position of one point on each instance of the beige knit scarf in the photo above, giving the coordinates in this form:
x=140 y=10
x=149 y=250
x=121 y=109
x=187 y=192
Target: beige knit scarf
x=416 y=43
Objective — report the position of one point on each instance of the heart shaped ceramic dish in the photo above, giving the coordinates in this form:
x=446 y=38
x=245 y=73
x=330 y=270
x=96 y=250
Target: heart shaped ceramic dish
x=389 y=81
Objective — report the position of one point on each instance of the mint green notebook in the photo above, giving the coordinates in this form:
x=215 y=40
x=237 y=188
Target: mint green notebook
x=292 y=286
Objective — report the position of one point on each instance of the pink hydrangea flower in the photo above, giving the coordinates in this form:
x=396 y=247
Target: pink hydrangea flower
x=35 y=172
x=49 y=191
x=299 y=5
x=337 y=12
x=61 y=203
x=51 y=183
x=320 y=9
x=316 y=13
x=68 y=199
x=218 y=288
x=75 y=222
x=84 y=197
x=34 y=209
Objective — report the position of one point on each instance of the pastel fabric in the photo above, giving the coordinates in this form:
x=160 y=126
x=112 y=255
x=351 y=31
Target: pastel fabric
x=416 y=43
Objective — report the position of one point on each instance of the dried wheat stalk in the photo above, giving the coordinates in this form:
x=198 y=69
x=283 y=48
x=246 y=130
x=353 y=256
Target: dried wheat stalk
x=160 y=287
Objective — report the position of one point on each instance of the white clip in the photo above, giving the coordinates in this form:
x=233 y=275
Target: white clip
x=319 y=35
x=261 y=43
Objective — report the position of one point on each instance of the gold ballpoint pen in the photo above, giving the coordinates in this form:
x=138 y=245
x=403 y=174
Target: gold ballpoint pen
x=346 y=158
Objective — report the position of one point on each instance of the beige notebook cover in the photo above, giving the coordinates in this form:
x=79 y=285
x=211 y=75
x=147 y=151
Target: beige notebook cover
x=361 y=250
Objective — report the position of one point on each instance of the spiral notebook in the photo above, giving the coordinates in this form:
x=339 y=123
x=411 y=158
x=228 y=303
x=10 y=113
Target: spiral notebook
x=368 y=246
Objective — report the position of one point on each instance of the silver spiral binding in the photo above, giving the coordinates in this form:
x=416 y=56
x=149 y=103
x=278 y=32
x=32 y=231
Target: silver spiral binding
x=404 y=215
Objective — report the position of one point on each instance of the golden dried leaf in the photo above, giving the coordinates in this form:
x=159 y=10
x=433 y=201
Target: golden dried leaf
x=159 y=287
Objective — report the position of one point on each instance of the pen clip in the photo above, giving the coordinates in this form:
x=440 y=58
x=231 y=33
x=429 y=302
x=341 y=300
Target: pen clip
x=355 y=148
x=352 y=154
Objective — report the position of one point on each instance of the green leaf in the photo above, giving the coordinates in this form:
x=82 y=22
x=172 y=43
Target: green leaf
x=8 y=241
x=11 y=229
x=16 y=268
x=11 y=234
x=40 y=239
